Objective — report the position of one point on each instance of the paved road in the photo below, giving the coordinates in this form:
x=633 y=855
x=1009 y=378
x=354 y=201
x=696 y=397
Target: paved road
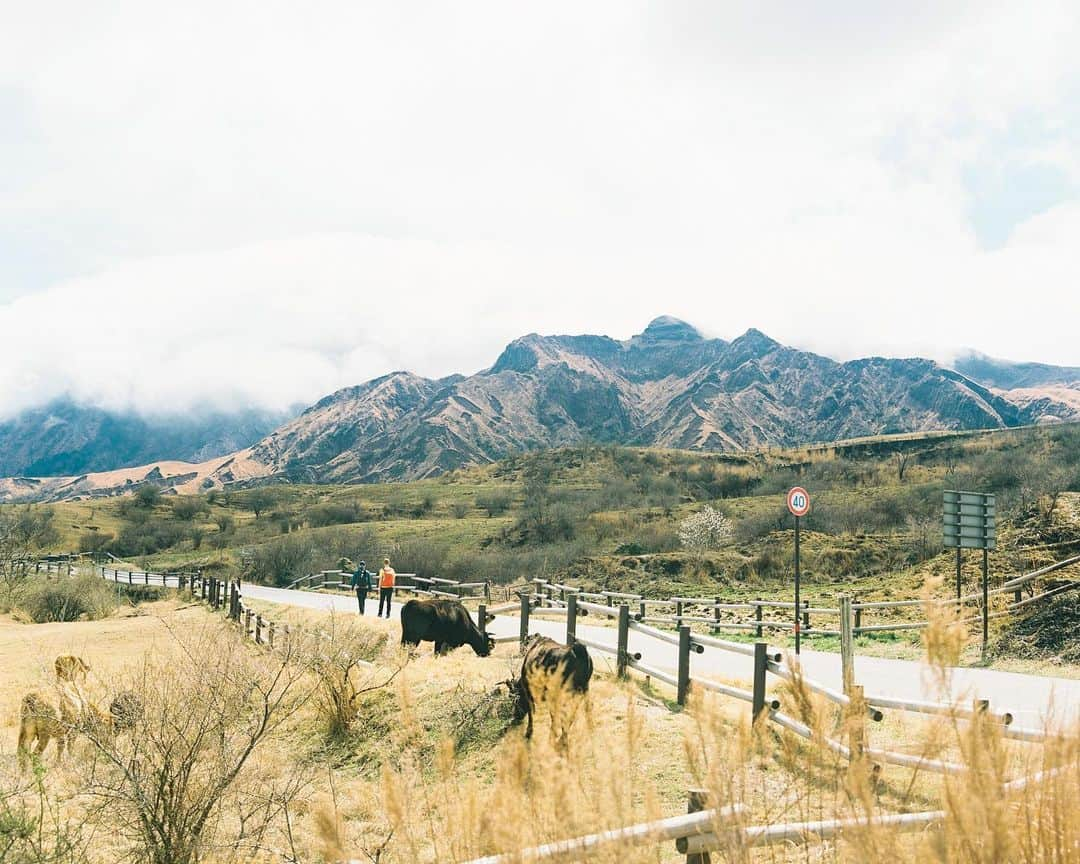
x=1030 y=698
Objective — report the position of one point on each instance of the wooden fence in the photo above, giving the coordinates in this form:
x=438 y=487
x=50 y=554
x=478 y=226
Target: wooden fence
x=424 y=586
x=760 y=616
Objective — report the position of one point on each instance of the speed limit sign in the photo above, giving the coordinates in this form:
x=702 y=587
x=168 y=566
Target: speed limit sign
x=798 y=501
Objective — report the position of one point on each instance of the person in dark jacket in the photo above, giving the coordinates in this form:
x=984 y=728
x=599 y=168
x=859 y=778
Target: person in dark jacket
x=361 y=583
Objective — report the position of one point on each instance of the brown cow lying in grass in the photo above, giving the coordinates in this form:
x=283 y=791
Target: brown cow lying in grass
x=554 y=674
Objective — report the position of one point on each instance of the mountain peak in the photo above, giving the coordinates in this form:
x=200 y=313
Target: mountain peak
x=756 y=341
x=669 y=329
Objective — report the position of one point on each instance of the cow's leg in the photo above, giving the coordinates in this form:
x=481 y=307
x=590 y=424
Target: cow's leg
x=440 y=649
x=26 y=738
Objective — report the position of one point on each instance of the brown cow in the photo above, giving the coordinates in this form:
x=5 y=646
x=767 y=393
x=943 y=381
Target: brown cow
x=552 y=673
x=38 y=724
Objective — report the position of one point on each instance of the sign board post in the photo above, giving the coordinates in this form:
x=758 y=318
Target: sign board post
x=798 y=502
x=970 y=522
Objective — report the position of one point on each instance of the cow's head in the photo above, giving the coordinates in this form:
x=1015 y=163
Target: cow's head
x=70 y=668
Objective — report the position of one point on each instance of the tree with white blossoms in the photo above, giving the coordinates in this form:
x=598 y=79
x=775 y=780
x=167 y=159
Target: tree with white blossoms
x=704 y=530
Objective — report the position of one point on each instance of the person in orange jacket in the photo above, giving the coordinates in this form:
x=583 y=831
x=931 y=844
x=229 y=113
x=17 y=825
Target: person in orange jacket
x=386 y=586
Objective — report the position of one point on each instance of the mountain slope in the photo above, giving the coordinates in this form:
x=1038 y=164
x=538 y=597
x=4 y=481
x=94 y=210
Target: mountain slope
x=65 y=438
x=668 y=386
x=1007 y=375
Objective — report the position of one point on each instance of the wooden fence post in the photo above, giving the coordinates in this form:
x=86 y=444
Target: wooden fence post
x=641 y=610
x=847 y=647
x=130 y=582
x=258 y=626
x=716 y=613
x=571 y=618
x=858 y=622
x=270 y=634
x=684 y=665
x=857 y=722
x=523 y=629
x=481 y=621
x=757 y=618
x=622 y=658
x=806 y=616
x=678 y=613
x=697 y=800
x=146 y=577
x=487 y=590
x=247 y=622
x=761 y=659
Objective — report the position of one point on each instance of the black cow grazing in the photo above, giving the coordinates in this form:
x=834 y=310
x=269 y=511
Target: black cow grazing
x=552 y=672
x=447 y=623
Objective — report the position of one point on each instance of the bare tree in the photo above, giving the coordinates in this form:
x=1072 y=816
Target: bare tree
x=179 y=786
x=900 y=460
x=24 y=534
x=1053 y=483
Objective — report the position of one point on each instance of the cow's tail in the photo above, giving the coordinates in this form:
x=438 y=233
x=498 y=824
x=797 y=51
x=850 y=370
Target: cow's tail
x=583 y=668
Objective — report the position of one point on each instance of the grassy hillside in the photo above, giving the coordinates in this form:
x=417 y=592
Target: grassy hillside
x=609 y=517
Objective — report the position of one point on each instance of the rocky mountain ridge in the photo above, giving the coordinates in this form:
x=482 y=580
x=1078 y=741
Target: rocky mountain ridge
x=668 y=386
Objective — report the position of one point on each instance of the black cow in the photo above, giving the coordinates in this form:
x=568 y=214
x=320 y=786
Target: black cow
x=551 y=671
x=446 y=623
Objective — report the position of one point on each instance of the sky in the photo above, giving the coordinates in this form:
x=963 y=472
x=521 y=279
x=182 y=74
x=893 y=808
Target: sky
x=253 y=204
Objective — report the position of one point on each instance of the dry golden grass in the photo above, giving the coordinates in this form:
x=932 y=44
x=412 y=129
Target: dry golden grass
x=431 y=770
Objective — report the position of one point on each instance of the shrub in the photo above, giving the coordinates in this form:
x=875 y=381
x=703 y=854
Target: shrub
x=708 y=529
x=147 y=496
x=188 y=507
x=194 y=752
x=460 y=509
x=339 y=669
x=286 y=558
x=496 y=501
x=333 y=513
x=95 y=542
x=146 y=538
x=83 y=597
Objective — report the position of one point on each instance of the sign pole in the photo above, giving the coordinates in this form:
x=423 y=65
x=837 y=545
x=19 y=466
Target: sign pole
x=986 y=600
x=798 y=504
x=798 y=579
x=959 y=582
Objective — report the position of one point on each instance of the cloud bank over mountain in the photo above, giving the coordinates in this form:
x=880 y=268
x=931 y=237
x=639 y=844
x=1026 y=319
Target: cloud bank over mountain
x=217 y=204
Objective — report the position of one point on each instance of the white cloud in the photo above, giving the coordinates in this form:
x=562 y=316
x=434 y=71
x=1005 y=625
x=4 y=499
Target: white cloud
x=272 y=201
